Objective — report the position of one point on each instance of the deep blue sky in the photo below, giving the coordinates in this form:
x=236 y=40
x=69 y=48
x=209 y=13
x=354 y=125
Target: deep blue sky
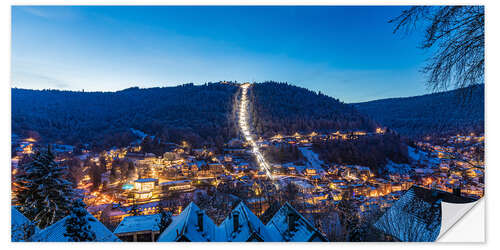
x=346 y=52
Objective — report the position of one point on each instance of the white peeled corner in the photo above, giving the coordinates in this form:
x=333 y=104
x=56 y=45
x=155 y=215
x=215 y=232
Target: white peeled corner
x=452 y=213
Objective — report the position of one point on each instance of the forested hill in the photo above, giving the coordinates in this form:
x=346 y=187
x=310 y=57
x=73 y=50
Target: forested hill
x=286 y=109
x=199 y=114
x=433 y=114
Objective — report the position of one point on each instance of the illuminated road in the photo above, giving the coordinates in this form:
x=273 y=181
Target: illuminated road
x=244 y=124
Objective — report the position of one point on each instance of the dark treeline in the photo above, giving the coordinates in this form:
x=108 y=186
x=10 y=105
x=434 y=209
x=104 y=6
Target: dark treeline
x=283 y=153
x=451 y=112
x=372 y=151
x=284 y=108
x=197 y=114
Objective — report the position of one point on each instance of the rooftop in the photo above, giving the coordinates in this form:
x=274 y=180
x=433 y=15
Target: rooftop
x=56 y=231
x=146 y=180
x=138 y=223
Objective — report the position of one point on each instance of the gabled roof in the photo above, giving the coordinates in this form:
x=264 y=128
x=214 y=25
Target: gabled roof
x=250 y=227
x=416 y=216
x=56 y=231
x=138 y=223
x=184 y=227
x=304 y=230
x=18 y=224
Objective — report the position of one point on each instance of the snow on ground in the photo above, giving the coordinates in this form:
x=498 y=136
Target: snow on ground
x=299 y=168
x=313 y=160
x=415 y=154
x=422 y=157
x=397 y=168
x=138 y=133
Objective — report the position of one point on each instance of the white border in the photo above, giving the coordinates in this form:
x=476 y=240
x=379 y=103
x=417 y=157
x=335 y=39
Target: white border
x=492 y=125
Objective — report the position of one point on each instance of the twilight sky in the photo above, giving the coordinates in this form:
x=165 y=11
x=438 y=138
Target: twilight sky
x=346 y=52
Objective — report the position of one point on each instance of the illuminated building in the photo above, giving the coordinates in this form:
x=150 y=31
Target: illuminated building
x=177 y=186
x=143 y=188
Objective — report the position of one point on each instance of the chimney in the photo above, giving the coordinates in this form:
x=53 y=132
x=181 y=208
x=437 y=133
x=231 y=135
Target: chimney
x=200 y=221
x=291 y=222
x=236 y=221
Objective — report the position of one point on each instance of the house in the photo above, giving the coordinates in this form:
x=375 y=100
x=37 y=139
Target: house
x=56 y=231
x=310 y=171
x=141 y=228
x=289 y=225
x=190 y=225
x=243 y=225
x=416 y=216
x=21 y=227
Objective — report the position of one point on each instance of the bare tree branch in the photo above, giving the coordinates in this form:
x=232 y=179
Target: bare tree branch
x=455 y=34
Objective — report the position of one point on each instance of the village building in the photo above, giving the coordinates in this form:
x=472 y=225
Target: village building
x=416 y=216
x=243 y=225
x=190 y=225
x=289 y=225
x=143 y=188
x=141 y=228
x=177 y=186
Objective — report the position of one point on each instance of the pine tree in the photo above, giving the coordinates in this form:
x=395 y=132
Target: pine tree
x=77 y=225
x=44 y=195
x=348 y=215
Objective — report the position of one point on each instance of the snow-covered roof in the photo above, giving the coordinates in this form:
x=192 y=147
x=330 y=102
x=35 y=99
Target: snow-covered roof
x=138 y=223
x=176 y=182
x=184 y=227
x=303 y=184
x=424 y=171
x=250 y=227
x=146 y=180
x=56 y=231
x=18 y=224
x=416 y=216
x=303 y=230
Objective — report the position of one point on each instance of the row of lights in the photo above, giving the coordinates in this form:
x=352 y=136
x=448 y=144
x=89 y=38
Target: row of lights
x=243 y=122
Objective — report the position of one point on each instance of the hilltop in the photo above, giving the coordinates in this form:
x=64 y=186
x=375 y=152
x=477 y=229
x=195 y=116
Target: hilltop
x=199 y=114
x=433 y=114
x=285 y=109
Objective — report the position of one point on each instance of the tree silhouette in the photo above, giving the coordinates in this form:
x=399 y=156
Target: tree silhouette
x=456 y=34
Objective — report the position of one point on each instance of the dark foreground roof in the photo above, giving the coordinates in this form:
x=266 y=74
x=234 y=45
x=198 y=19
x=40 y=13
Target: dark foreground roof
x=416 y=216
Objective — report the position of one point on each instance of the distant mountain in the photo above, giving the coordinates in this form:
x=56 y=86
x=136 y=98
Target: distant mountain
x=197 y=114
x=432 y=114
x=286 y=109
